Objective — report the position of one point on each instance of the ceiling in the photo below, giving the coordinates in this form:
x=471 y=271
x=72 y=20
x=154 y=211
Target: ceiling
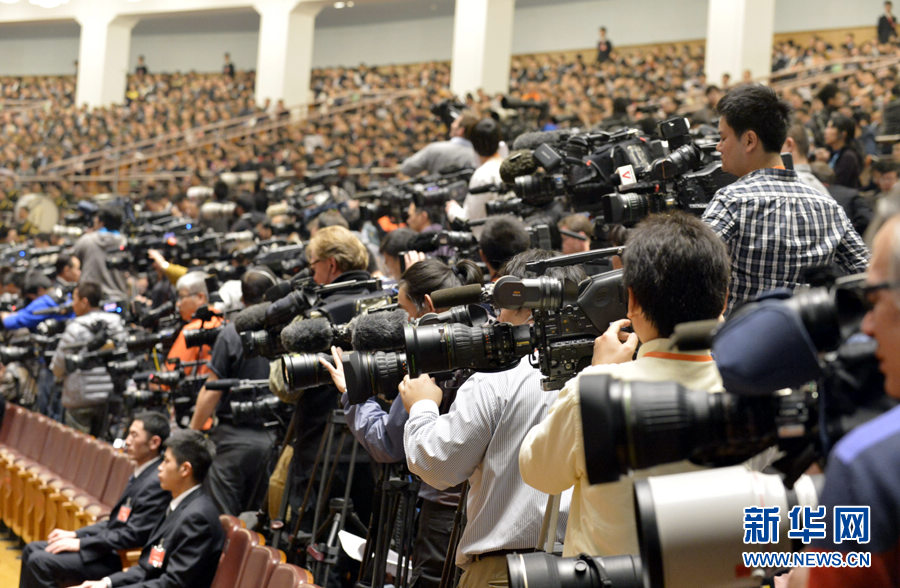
x=246 y=20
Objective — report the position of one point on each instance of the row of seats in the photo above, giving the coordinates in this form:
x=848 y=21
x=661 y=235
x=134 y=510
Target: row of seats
x=54 y=476
x=247 y=562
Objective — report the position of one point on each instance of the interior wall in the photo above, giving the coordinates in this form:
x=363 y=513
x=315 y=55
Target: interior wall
x=537 y=29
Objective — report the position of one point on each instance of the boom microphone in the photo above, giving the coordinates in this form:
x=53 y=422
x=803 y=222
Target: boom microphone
x=312 y=335
x=471 y=294
x=251 y=318
x=380 y=331
x=519 y=163
x=534 y=139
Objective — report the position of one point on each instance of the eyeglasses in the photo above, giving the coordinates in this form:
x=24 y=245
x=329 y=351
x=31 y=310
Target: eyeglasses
x=867 y=292
x=312 y=263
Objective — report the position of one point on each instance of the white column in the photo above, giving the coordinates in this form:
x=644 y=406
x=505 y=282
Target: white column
x=284 y=61
x=103 y=58
x=739 y=37
x=482 y=46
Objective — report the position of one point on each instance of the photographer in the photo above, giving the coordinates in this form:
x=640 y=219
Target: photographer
x=675 y=270
x=758 y=216
x=456 y=152
x=381 y=433
x=502 y=238
x=192 y=294
x=85 y=393
x=93 y=247
x=486 y=140
x=47 y=295
x=241 y=451
x=478 y=439
x=862 y=468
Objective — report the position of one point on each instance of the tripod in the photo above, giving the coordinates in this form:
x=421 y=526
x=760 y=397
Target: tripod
x=340 y=509
x=397 y=511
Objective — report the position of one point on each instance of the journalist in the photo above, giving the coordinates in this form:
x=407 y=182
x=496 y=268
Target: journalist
x=775 y=227
x=478 y=440
x=192 y=294
x=381 y=433
x=502 y=238
x=86 y=392
x=242 y=451
x=675 y=270
x=91 y=552
x=863 y=468
x=93 y=247
x=485 y=137
x=457 y=152
x=48 y=295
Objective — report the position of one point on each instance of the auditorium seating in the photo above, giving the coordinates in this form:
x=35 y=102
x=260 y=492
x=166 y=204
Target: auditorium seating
x=55 y=477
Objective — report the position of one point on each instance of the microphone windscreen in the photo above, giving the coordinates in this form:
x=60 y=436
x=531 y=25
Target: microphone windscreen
x=251 y=318
x=380 y=331
x=535 y=139
x=519 y=163
x=307 y=335
x=449 y=297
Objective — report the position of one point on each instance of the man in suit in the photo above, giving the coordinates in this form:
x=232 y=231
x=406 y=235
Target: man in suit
x=91 y=552
x=184 y=548
x=887 y=25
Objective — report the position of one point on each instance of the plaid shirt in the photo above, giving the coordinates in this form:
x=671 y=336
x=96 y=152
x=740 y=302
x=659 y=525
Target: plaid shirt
x=775 y=227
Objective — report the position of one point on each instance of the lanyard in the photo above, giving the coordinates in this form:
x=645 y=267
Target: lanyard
x=678 y=356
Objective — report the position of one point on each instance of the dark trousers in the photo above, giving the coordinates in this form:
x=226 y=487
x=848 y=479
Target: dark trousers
x=41 y=569
x=432 y=539
x=239 y=473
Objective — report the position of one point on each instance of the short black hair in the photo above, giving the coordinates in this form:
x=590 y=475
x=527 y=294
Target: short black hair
x=677 y=269
x=155 y=424
x=503 y=237
x=754 y=107
x=110 y=216
x=827 y=92
x=90 y=290
x=191 y=446
x=485 y=137
x=254 y=284
x=516 y=266
x=220 y=190
x=63 y=260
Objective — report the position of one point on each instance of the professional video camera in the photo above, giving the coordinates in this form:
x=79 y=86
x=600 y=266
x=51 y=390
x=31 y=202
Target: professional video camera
x=252 y=404
x=201 y=337
x=783 y=365
x=448 y=111
x=433 y=191
x=623 y=175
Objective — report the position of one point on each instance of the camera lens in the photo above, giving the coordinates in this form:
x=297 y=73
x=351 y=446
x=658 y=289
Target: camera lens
x=371 y=374
x=200 y=337
x=543 y=569
x=625 y=209
x=441 y=348
x=303 y=370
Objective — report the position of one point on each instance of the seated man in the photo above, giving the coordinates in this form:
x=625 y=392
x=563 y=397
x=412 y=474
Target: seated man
x=92 y=552
x=184 y=547
x=676 y=270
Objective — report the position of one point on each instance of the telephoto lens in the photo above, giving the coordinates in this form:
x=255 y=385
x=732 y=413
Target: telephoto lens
x=373 y=374
x=201 y=337
x=303 y=370
x=441 y=348
x=584 y=571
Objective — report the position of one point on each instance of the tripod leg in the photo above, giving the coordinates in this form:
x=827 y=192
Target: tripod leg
x=449 y=573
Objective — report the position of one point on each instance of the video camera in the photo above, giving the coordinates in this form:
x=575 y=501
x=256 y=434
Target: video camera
x=448 y=111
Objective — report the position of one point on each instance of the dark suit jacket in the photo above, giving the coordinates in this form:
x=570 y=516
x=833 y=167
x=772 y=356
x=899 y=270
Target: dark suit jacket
x=148 y=504
x=886 y=29
x=192 y=537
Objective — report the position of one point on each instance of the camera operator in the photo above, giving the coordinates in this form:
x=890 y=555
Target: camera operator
x=241 y=451
x=191 y=295
x=92 y=552
x=381 y=433
x=478 y=439
x=85 y=393
x=68 y=272
x=675 y=270
x=774 y=226
x=457 y=152
x=576 y=223
x=392 y=247
x=863 y=467
x=485 y=138
x=503 y=237
x=92 y=247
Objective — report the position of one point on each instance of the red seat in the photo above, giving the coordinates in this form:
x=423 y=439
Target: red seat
x=289 y=576
x=230 y=523
x=234 y=557
x=260 y=564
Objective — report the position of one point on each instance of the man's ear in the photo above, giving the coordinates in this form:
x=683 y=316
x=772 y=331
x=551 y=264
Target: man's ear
x=185 y=469
x=749 y=140
x=154 y=442
x=633 y=306
x=429 y=304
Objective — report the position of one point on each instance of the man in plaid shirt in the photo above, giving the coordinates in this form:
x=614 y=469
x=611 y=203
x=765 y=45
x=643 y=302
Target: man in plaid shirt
x=775 y=227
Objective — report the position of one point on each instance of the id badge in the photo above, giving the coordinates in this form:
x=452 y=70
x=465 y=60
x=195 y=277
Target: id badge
x=124 y=513
x=157 y=555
